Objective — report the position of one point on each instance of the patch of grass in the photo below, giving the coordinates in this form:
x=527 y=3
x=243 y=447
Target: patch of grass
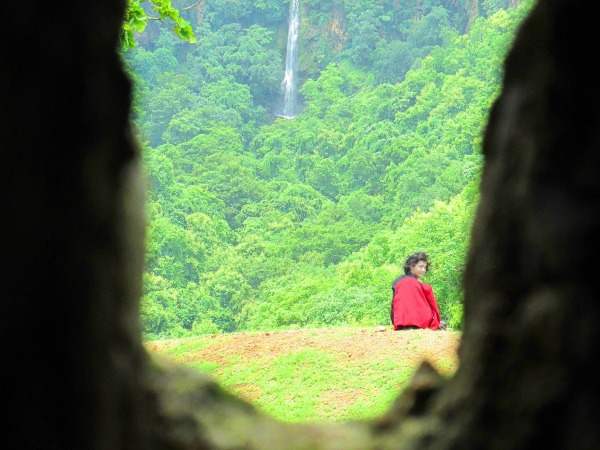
x=445 y=366
x=375 y=385
x=309 y=384
x=290 y=385
x=208 y=367
x=178 y=348
x=312 y=385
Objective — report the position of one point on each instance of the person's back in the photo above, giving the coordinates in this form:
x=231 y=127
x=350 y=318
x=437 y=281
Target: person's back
x=413 y=302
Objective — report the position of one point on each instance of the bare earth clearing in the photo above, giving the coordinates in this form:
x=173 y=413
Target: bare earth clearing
x=354 y=350
x=353 y=343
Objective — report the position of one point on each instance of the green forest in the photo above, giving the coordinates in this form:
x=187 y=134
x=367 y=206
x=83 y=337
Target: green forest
x=257 y=221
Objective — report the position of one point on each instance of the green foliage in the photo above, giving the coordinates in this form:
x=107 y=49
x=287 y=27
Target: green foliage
x=136 y=19
x=257 y=222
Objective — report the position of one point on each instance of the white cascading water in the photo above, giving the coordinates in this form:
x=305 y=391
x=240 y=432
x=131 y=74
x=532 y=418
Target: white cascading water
x=288 y=85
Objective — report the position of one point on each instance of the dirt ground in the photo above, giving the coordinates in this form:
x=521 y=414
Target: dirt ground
x=354 y=343
x=352 y=347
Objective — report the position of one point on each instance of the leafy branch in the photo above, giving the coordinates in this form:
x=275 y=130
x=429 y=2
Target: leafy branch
x=136 y=20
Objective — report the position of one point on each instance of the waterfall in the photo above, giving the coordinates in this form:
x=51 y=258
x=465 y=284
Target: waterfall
x=288 y=85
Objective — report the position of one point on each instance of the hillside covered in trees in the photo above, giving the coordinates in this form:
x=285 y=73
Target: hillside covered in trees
x=261 y=222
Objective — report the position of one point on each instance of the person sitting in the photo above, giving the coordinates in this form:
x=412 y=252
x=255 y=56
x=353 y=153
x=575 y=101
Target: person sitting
x=413 y=302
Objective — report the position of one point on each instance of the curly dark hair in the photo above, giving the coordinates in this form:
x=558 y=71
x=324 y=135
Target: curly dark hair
x=414 y=259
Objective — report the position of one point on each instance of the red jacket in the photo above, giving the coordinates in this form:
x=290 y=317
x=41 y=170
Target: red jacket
x=414 y=304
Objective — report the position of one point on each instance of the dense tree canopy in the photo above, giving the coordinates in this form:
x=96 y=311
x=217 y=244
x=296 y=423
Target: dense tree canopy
x=261 y=222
